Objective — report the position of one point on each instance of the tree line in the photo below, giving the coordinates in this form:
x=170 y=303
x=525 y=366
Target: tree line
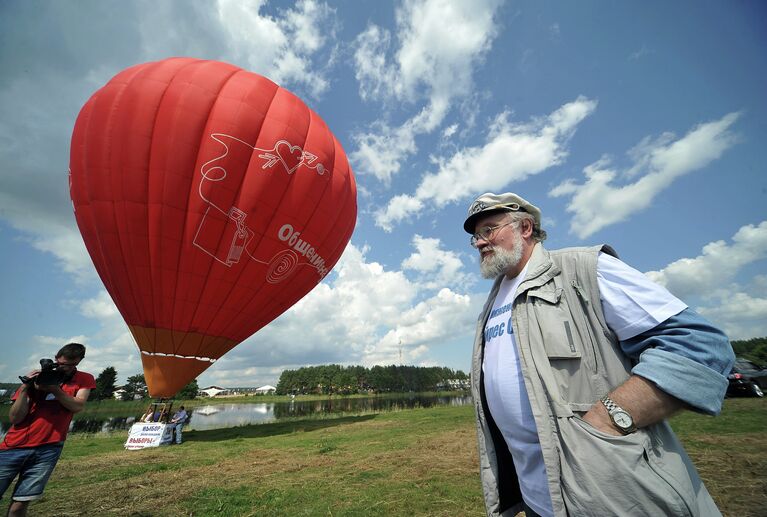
x=338 y=379
x=345 y=380
x=134 y=387
x=755 y=350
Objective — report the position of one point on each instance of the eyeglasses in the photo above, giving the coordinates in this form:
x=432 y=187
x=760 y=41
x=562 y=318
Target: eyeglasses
x=486 y=233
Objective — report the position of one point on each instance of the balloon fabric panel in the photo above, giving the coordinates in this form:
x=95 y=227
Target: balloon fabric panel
x=210 y=200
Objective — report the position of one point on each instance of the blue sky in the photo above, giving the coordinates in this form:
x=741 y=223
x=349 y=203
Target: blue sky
x=639 y=125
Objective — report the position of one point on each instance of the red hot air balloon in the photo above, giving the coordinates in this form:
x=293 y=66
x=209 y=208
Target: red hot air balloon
x=210 y=200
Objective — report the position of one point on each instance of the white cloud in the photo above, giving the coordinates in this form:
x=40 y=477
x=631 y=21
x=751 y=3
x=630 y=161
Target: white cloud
x=741 y=315
x=740 y=308
x=349 y=318
x=599 y=202
x=380 y=152
x=280 y=48
x=38 y=107
x=718 y=264
x=101 y=307
x=441 y=43
x=436 y=266
x=510 y=154
x=449 y=131
x=111 y=345
x=375 y=76
x=427 y=324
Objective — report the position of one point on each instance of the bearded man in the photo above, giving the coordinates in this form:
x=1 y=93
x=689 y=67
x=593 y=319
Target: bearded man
x=578 y=361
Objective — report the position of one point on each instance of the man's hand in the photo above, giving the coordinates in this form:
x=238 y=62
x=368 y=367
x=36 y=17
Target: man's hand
x=599 y=418
x=74 y=404
x=646 y=403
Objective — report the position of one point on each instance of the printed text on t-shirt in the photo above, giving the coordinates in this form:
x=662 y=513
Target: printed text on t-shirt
x=494 y=331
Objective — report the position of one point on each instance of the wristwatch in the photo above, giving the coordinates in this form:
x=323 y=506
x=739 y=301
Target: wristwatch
x=619 y=416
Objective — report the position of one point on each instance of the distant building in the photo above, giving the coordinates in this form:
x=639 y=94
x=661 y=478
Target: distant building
x=118 y=394
x=265 y=390
x=454 y=384
x=214 y=391
x=248 y=390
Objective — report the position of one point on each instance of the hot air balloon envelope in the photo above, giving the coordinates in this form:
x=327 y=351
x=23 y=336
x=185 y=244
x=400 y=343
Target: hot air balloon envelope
x=210 y=200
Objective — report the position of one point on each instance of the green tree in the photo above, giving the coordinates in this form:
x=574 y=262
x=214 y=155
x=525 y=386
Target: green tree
x=189 y=392
x=105 y=384
x=754 y=349
x=135 y=385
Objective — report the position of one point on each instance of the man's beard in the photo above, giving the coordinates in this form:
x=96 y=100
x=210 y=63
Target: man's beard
x=501 y=260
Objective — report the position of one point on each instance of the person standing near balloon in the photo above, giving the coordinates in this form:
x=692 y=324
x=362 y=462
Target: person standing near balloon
x=40 y=416
x=179 y=419
x=578 y=361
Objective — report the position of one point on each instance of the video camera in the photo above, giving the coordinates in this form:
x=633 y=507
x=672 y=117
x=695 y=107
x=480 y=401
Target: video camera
x=50 y=374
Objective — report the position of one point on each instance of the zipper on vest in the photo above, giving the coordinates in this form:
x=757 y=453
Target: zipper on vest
x=585 y=307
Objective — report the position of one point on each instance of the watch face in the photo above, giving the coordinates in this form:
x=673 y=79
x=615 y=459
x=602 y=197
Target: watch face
x=622 y=419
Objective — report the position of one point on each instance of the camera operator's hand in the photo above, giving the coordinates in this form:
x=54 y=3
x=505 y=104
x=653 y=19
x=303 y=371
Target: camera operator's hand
x=28 y=380
x=20 y=407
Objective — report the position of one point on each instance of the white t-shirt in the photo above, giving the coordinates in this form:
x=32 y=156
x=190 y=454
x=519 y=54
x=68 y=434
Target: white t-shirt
x=632 y=304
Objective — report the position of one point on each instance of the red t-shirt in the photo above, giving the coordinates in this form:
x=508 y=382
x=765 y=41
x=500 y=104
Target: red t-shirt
x=47 y=420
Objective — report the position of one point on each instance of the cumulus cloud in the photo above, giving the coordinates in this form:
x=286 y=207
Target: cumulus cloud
x=429 y=323
x=436 y=267
x=110 y=345
x=740 y=308
x=511 y=153
x=741 y=315
x=360 y=314
x=347 y=318
x=601 y=201
x=283 y=48
x=717 y=265
x=440 y=45
x=40 y=100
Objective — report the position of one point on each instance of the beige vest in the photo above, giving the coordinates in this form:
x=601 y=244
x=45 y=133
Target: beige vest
x=569 y=360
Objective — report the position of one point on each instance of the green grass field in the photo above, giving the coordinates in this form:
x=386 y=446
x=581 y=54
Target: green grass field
x=409 y=462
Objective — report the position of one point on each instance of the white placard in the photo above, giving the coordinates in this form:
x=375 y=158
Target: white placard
x=144 y=435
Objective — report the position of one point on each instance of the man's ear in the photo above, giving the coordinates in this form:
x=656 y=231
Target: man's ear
x=527 y=228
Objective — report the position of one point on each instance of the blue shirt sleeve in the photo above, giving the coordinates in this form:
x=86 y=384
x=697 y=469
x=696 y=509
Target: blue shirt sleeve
x=687 y=357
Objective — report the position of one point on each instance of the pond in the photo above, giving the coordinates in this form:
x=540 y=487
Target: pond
x=222 y=415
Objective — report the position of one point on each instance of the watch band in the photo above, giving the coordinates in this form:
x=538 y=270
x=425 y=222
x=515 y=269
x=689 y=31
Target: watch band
x=612 y=409
x=610 y=404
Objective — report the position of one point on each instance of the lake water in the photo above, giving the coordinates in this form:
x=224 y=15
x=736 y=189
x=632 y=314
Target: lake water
x=220 y=416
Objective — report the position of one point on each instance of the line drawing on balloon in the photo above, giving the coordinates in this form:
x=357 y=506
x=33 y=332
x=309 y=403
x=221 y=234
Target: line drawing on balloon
x=223 y=233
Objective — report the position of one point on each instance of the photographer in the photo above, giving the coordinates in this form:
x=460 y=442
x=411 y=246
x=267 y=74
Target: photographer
x=40 y=416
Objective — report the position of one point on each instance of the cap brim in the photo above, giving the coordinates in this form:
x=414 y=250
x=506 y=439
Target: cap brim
x=471 y=221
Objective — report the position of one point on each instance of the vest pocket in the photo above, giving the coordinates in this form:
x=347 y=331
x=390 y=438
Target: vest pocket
x=555 y=324
x=554 y=331
x=603 y=474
